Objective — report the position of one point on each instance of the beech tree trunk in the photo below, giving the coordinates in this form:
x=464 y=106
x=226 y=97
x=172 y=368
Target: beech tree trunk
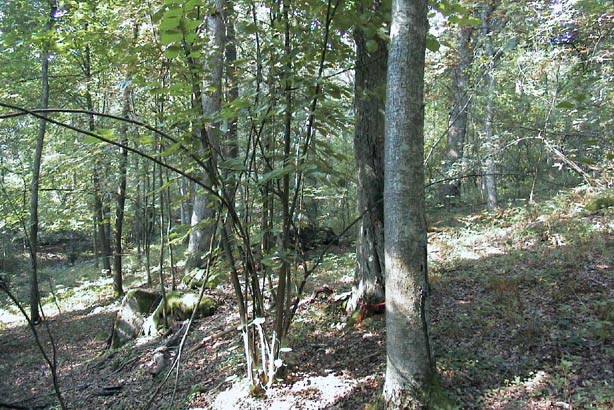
x=410 y=371
x=459 y=104
x=369 y=94
x=208 y=133
x=490 y=168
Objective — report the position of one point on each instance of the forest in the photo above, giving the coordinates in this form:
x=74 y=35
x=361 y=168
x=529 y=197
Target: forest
x=307 y=204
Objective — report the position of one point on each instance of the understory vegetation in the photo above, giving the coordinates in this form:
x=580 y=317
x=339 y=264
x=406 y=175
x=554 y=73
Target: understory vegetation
x=522 y=304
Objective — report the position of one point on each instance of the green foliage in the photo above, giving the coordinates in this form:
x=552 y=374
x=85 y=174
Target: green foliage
x=603 y=200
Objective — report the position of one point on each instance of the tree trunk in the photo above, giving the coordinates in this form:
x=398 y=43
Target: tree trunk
x=459 y=102
x=410 y=371
x=103 y=245
x=120 y=204
x=490 y=170
x=370 y=89
x=35 y=316
x=208 y=135
x=284 y=284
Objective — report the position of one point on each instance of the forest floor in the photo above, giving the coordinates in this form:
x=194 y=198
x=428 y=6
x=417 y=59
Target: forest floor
x=522 y=317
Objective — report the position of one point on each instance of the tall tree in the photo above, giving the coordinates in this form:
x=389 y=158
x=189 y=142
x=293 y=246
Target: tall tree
x=120 y=196
x=459 y=103
x=490 y=180
x=36 y=169
x=369 y=94
x=410 y=370
x=207 y=131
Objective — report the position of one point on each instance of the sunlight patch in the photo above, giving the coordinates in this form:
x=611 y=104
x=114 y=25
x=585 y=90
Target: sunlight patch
x=11 y=319
x=311 y=393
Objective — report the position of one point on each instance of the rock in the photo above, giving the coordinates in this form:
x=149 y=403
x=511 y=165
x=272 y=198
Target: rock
x=135 y=307
x=180 y=307
x=142 y=312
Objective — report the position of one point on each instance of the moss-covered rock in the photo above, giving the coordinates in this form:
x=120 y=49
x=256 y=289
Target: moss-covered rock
x=179 y=306
x=142 y=312
x=135 y=307
x=603 y=200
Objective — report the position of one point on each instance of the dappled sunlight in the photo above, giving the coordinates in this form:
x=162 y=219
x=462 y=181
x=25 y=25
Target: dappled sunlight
x=518 y=308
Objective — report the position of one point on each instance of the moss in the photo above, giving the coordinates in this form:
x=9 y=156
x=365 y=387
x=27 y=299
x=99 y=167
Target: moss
x=180 y=306
x=141 y=300
x=601 y=201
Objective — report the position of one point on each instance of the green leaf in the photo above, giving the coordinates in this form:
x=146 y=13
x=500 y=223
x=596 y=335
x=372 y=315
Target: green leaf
x=586 y=161
x=88 y=139
x=192 y=4
x=173 y=51
x=173 y=13
x=565 y=105
x=169 y=37
x=146 y=139
x=106 y=133
x=277 y=173
x=170 y=24
x=432 y=43
x=250 y=28
x=511 y=44
x=174 y=148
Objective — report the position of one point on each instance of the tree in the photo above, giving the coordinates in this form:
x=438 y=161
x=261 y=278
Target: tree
x=369 y=92
x=459 y=103
x=490 y=181
x=208 y=132
x=410 y=370
x=35 y=316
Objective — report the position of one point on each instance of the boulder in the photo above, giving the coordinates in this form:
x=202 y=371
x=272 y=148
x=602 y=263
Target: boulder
x=179 y=306
x=142 y=312
x=134 y=309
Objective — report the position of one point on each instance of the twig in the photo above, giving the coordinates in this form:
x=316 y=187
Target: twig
x=50 y=362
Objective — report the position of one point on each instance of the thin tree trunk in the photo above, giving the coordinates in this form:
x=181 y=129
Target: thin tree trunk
x=169 y=228
x=369 y=93
x=35 y=316
x=410 y=370
x=118 y=289
x=283 y=285
x=148 y=222
x=103 y=246
x=459 y=102
x=490 y=170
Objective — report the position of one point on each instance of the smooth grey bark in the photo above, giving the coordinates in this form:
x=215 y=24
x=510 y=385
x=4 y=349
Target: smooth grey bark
x=459 y=104
x=369 y=94
x=410 y=371
x=208 y=134
x=489 y=143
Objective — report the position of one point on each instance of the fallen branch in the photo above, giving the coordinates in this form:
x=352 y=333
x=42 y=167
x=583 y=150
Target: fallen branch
x=202 y=343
